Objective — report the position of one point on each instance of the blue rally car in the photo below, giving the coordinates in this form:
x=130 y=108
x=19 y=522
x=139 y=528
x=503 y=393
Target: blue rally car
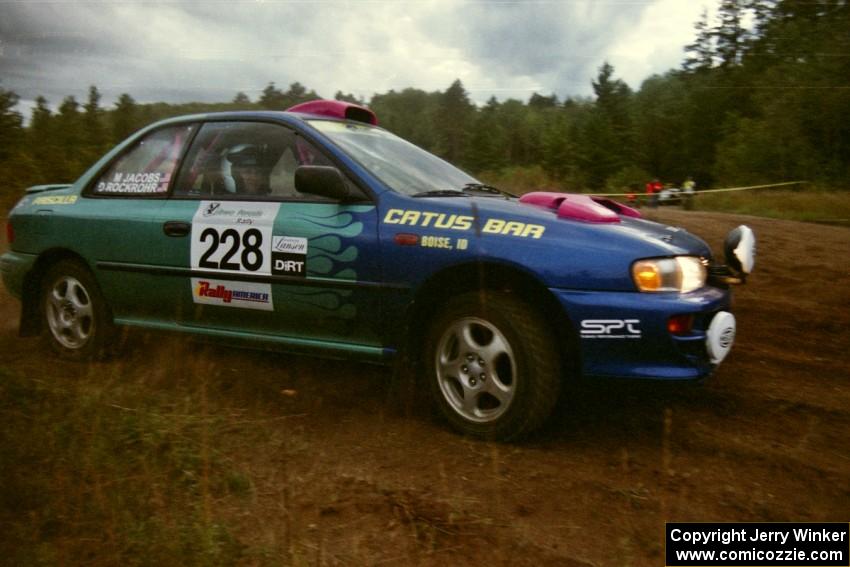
x=317 y=231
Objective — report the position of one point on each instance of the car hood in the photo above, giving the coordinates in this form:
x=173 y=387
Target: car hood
x=643 y=237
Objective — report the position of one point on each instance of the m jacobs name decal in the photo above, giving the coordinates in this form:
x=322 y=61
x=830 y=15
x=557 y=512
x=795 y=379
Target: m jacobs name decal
x=610 y=329
x=232 y=294
x=430 y=219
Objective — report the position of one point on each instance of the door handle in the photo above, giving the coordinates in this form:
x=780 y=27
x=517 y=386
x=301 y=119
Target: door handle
x=177 y=228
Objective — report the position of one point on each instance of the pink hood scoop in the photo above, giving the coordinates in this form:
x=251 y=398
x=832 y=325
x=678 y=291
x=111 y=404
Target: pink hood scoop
x=580 y=207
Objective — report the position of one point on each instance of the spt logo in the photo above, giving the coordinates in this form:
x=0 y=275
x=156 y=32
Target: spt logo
x=610 y=329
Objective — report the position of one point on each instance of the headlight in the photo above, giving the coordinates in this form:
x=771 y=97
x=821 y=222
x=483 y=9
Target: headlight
x=682 y=274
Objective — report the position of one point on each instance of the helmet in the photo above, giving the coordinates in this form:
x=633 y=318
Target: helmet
x=245 y=156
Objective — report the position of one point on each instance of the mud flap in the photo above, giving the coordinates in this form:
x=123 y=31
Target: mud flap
x=30 y=324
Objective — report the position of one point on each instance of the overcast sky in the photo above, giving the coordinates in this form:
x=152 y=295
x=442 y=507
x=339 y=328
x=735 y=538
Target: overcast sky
x=208 y=50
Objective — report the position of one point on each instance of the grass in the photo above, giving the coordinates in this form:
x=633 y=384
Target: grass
x=812 y=206
x=170 y=455
x=116 y=467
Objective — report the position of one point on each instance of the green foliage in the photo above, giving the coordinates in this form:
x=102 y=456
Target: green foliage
x=125 y=118
x=275 y=99
x=410 y=113
x=520 y=180
x=454 y=118
x=630 y=178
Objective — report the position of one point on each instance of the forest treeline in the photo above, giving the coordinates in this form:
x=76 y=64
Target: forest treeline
x=763 y=95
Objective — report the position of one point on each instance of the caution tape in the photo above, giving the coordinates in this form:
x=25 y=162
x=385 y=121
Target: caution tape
x=703 y=191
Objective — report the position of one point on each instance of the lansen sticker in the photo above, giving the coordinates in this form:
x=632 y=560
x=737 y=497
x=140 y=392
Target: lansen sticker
x=289 y=256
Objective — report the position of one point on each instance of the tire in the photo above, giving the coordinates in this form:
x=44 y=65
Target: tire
x=492 y=366
x=77 y=323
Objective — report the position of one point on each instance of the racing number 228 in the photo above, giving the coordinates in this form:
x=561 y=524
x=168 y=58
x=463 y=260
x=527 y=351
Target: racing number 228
x=250 y=241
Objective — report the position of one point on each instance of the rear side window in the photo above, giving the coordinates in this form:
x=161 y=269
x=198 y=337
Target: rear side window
x=148 y=167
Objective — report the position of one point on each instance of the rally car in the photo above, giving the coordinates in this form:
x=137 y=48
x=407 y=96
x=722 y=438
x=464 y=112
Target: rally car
x=316 y=231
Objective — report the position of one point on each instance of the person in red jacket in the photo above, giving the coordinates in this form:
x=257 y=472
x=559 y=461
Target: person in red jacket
x=652 y=189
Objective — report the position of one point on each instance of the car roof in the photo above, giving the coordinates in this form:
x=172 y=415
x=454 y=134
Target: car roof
x=276 y=115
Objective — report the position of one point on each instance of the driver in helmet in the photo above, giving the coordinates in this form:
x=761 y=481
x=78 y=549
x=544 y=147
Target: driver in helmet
x=249 y=172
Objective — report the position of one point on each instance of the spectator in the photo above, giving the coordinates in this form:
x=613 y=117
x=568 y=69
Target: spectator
x=688 y=189
x=653 y=188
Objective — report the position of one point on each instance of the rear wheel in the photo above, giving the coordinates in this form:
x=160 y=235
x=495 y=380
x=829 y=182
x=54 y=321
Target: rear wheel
x=492 y=366
x=77 y=323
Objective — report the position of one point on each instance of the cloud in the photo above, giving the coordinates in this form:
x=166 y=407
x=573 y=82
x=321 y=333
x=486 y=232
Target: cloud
x=656 y=43
x=208 y=51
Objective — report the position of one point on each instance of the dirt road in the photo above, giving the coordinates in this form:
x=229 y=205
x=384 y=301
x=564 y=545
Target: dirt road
x=339 y=472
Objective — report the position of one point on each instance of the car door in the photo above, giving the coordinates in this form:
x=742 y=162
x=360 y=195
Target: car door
x=118 y=226
x=266 y=260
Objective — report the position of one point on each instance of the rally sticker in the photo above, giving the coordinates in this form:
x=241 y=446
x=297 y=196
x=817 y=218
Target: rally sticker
x=289 y=256
x=246 y=295
x=233 y=237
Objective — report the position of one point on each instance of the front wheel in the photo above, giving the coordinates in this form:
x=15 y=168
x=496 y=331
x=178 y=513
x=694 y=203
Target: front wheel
x=492 y=365
x=77 y=321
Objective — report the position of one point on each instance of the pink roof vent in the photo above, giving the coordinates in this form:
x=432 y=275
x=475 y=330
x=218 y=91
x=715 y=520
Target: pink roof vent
x=580 y=207
x=336 y=109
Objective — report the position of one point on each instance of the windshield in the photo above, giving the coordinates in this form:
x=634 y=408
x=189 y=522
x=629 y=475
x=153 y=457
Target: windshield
x=405 y=168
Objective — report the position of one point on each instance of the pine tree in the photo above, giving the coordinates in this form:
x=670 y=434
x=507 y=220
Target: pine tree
x=272 y=98
x=94 y=133
x=42 y=143
x=241 y=99
x=453 y=120
x=700 y=54
x=68 y=134
x=11 y=125
x=609 y=129
x=730 y=35
x=348 y=97
x=124 y=118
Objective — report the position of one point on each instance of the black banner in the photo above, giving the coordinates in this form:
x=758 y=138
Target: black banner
x=761 y=544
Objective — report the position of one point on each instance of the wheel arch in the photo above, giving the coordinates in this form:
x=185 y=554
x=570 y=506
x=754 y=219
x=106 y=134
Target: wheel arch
x=31 y=323
x=490 y=276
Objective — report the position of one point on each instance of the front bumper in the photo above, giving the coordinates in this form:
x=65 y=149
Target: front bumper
x=625 y=334
x=14 y=266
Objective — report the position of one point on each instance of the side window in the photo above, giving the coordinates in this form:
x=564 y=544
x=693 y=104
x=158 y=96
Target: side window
x=147 y=168
x=246 y=160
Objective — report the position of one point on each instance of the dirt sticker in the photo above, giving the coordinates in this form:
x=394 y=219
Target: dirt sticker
x=289 y=256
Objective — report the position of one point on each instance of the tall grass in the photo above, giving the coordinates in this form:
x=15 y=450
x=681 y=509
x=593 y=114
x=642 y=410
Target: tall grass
x=813 y=205
x=116 y=466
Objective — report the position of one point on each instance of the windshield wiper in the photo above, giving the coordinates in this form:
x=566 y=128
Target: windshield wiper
x=441 y=193
x=489 y=189
x=465 y=191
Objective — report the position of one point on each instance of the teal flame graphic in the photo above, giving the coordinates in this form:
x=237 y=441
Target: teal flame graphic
x=329 y=255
